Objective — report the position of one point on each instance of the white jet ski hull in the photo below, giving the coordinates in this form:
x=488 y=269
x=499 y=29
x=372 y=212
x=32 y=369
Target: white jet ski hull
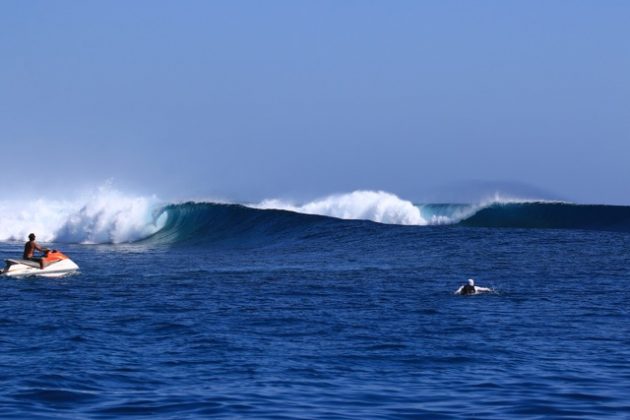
x=23 y=268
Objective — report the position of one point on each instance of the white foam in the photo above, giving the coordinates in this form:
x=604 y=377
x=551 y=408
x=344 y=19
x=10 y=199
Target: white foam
x=105 y=216
x=378 y=206
x=384 y=207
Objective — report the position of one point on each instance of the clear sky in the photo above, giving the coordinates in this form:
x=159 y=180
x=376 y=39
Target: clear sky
x=254 y=99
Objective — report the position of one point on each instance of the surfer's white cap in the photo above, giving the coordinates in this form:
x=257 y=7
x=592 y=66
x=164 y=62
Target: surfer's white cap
x=471 y=282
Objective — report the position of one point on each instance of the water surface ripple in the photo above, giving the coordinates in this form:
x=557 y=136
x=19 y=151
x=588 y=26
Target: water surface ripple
x=358 y=322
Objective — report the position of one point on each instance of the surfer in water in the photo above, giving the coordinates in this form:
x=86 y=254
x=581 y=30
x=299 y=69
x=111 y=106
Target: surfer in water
x=471 y=289
x=29 y=250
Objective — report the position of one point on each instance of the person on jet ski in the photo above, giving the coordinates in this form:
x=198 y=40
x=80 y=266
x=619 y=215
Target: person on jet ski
x=29 y=251
x=471 y=289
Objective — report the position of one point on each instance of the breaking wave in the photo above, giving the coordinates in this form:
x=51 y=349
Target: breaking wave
x=105 y=216
x=274 y=221
x=108 y=216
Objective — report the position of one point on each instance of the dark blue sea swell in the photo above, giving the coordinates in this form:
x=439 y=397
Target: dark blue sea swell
x=552 y=215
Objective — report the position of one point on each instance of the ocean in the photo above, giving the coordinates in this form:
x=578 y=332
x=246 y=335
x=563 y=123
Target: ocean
x=340 y=308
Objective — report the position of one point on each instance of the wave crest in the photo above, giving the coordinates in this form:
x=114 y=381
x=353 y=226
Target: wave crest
x=377 y=206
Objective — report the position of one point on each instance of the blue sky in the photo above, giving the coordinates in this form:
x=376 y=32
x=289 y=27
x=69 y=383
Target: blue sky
x=253 y=99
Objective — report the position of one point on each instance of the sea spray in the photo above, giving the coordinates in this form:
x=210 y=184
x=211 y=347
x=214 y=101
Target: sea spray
x=105 y=216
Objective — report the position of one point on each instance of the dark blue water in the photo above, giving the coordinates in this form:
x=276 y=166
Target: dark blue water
x=340 y=319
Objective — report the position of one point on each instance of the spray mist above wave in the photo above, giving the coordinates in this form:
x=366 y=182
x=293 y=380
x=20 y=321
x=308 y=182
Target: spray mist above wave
x=105 y=216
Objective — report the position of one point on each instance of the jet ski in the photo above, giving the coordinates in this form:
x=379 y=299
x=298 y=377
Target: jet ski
x=55 y=264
